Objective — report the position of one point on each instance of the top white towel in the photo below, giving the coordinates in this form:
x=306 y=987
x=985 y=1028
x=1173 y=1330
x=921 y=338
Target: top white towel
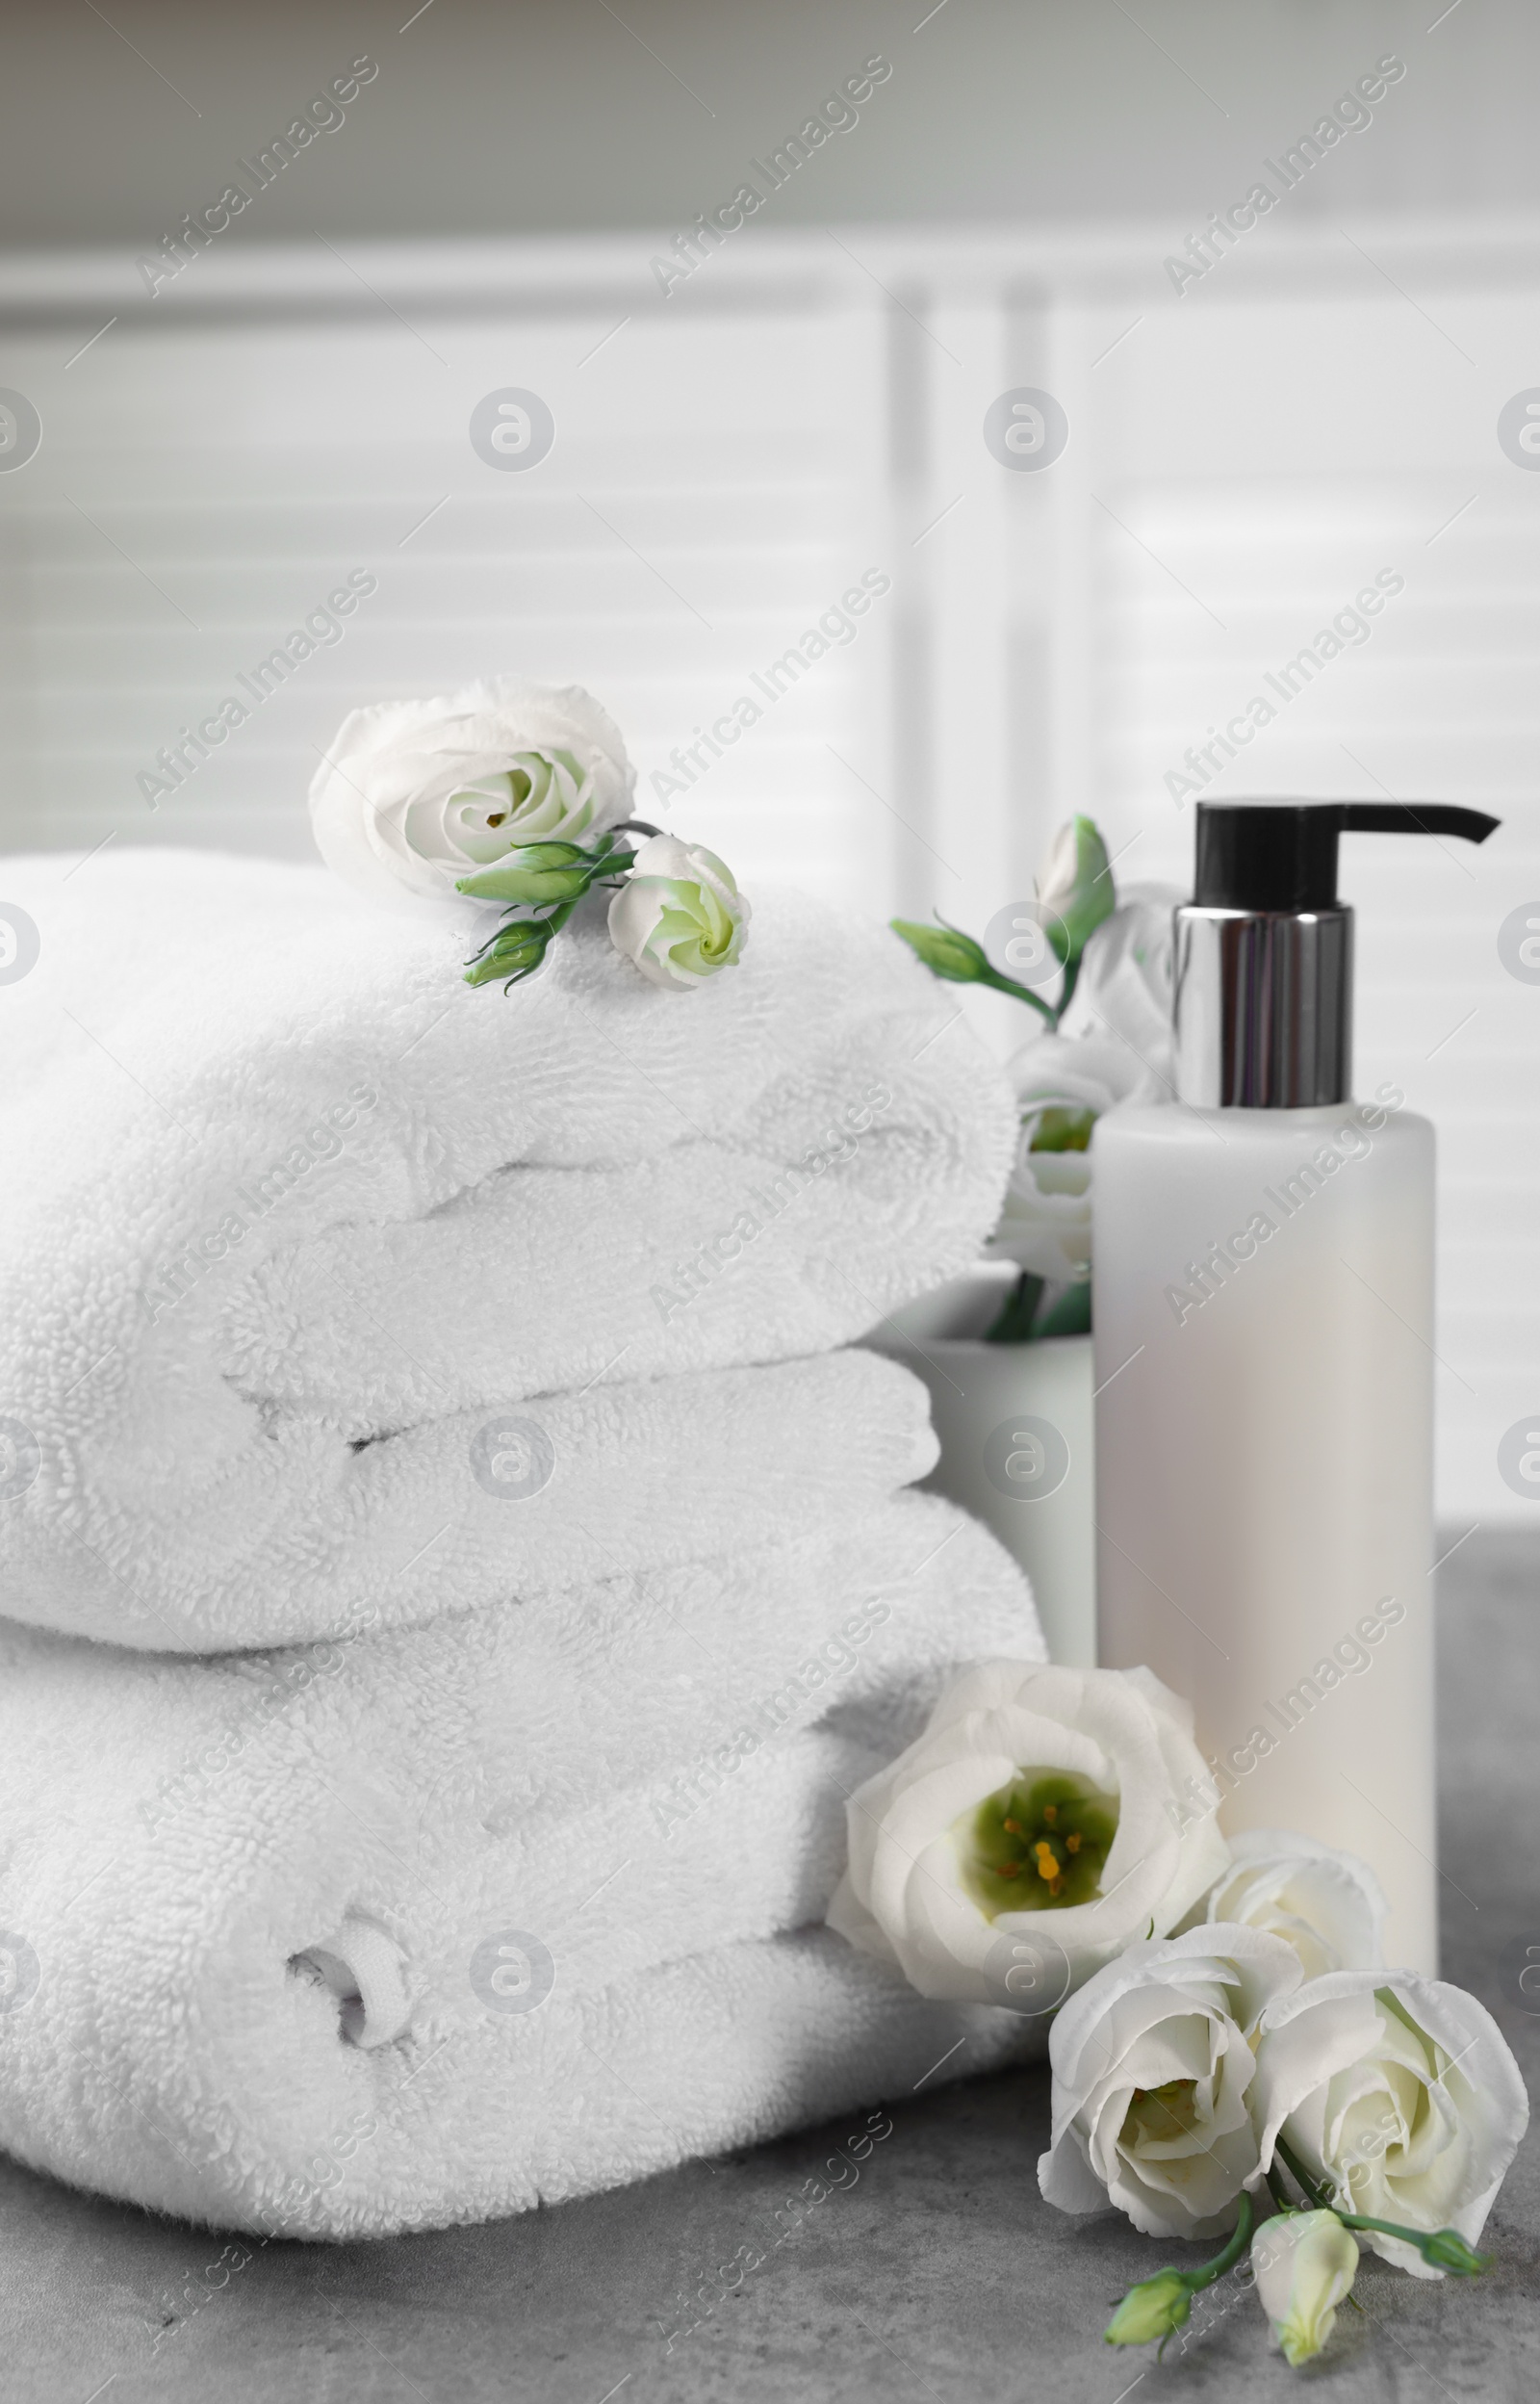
x=267 y=1165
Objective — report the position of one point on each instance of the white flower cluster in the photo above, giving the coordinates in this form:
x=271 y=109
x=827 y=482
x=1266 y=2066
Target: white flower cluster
x=1225 y=2016
x=513 y=792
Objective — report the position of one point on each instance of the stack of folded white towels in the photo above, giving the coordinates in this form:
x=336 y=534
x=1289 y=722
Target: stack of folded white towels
x=454 y=1573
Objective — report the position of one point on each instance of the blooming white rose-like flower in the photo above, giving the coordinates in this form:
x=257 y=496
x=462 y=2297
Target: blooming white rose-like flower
x=414 y=794
x=1305 y=2265
x=1328 y=1905
x=1124 y=988
x=1153 y=2072
x=680 y=914
x=1036 y=1814
x=1063 y=1086
x=1398 y=2096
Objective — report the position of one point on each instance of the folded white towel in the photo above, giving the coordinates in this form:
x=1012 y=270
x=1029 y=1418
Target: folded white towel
x=482 y=2112
x=245 y=1906
x=273 y=1180
x=306 y=1535
x=677 y=1678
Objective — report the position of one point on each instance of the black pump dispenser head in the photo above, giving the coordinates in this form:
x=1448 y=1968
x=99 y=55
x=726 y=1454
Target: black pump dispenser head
x=1282 y=854
x=1264 y=950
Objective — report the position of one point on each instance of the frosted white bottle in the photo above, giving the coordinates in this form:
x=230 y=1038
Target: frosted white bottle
x=1263 y=1308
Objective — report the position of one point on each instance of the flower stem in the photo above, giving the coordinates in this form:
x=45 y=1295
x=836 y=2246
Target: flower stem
x=1012 y=1325
x=1019 y=992
x=1445 y=2248
x=1231 y=2254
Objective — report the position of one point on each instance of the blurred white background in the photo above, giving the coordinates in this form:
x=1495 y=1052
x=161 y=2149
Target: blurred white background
x=807 y=407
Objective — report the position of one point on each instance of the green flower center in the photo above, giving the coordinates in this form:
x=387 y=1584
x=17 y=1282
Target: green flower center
x=1061 y=1128
x=1037 y=1845
x=1158 y=2115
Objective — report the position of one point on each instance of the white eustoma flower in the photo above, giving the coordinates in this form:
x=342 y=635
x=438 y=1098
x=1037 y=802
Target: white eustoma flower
x=1398 y=2096
x=1124 y=989
x=1061 y=1089
x=414 y=794
x=1153 y=2074
x=1328 y=1905
x=1305 y=2265
x=1040 y=1807
x=680 y=914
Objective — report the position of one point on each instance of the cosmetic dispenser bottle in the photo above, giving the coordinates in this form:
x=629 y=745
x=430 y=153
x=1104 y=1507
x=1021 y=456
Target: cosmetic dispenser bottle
x=1263 y=1316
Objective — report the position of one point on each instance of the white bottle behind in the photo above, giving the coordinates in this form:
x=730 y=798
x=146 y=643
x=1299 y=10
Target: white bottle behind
x=1264 y=1442
x=1263 y=1308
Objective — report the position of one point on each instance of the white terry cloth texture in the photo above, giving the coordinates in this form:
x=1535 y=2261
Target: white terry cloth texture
x=641 y=1477
x=444 y=1934
x=620 y=1679
x=275 y=1182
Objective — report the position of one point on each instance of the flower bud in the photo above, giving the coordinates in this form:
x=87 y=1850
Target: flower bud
x=1446 y=2250
x=944 y=952
x=536 y=873
x=680 y=918
x=1152 y=2309
x=515 y=951
x=1076 y=889
x=1305 y=2265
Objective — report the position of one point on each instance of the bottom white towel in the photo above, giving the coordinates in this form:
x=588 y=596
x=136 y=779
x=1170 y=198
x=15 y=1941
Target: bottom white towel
x=480 y=1914
x=490 y=2107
